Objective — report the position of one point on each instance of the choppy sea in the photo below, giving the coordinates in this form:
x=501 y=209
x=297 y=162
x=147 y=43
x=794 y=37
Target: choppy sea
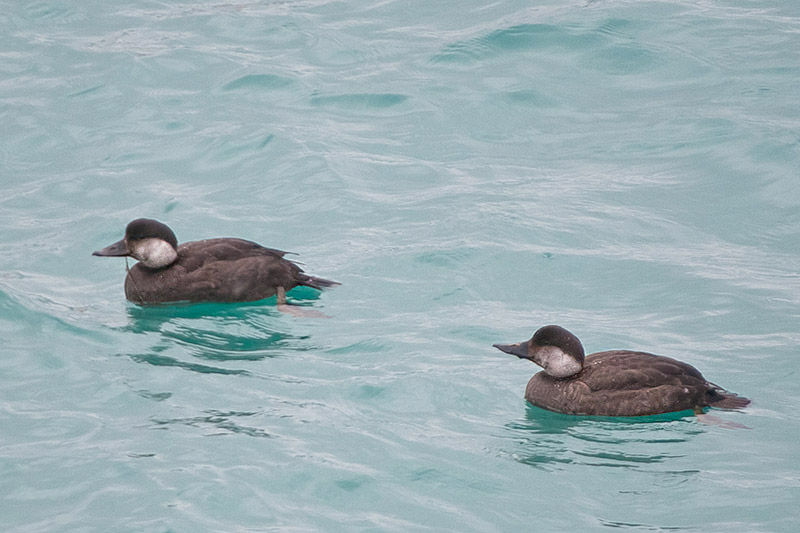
x=469 y=171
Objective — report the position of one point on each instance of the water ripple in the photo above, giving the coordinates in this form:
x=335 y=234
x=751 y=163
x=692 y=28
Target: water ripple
x=224 y=423
x=360 y=102
x=515 y=38
x=156 y=359
x=267 y=82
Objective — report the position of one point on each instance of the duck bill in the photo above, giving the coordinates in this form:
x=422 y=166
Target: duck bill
x=520 y=349
x=118 y=249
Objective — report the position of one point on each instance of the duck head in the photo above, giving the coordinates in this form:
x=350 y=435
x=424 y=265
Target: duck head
x=146 y=240
x=553 y=348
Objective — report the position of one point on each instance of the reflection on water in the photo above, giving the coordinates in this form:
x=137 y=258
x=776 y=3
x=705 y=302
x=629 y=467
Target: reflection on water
x=162 y=360
x=155 y=396
x=546 y=439
x=214 y=333
x=223 y=423
x=644 y=527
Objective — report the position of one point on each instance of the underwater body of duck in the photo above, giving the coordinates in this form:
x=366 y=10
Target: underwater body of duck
x=613 y=383
x=212 y=270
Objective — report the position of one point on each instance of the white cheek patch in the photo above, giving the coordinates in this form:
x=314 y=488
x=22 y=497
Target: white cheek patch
x=154 y=253
x=557 y=363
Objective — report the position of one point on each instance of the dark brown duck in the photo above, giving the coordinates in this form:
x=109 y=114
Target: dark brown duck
x=212 y=270
x=613 y=383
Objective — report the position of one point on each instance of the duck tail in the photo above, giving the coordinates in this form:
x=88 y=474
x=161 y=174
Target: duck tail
x=722 y=399
x=317 y=283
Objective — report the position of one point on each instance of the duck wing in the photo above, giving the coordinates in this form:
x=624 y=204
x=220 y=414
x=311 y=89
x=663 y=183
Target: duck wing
x=619 y=370
x=244 y=279
x=195 y=254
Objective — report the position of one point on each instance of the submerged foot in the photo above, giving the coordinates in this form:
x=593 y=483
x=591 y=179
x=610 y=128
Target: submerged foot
x=711 y=420
x=295 y=310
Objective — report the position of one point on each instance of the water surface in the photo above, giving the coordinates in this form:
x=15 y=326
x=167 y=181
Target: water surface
x=469 y=171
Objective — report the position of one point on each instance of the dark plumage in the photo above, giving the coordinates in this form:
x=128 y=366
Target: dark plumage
x=212 y=270
x=613 y=383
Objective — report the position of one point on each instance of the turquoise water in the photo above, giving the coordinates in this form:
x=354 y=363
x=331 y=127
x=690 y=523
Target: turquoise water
x=469 y=171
